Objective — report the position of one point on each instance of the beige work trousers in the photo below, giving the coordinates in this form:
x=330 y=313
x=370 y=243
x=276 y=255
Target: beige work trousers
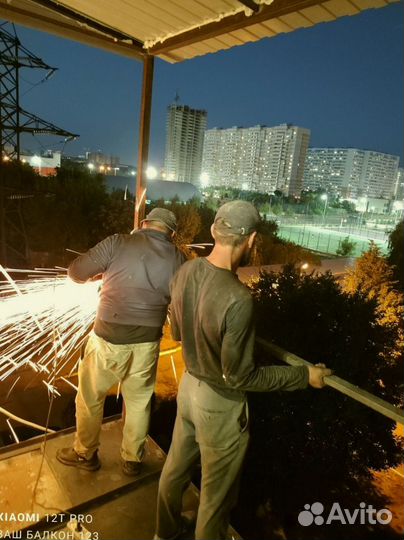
x=104 y=365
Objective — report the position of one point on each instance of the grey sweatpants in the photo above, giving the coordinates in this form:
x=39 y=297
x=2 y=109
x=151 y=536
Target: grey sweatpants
x=215 y=429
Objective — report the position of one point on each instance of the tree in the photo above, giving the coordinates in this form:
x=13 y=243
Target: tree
x=66 y=212
x=116 y=214
x=396 y=253
x=346 y=247
x=70 y=210
x=316 y=445
x=372 y=277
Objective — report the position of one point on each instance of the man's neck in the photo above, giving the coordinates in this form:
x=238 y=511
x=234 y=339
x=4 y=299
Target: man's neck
x=224 y=257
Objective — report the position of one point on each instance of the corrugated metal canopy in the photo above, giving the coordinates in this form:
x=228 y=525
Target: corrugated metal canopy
x=175 y=30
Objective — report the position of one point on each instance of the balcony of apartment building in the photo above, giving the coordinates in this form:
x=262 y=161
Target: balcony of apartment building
x=41 y=498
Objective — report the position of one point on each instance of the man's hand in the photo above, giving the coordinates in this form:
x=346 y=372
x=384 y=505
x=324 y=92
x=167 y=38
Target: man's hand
x=97 y=277
x=317 y=374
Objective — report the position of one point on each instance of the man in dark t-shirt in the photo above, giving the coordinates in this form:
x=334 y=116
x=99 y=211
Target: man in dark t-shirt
x=212 y=314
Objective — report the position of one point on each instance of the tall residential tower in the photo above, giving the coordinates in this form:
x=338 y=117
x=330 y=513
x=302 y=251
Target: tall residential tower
x=184 y=144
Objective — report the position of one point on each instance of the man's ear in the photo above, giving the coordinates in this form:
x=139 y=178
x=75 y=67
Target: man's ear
x=251 y=239
x=212 y=230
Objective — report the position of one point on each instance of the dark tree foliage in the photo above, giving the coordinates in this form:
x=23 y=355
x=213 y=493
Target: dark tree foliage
x=117 y=214
x=396 y=253
x=70 y=210
x=313 y=445
x=17 y=176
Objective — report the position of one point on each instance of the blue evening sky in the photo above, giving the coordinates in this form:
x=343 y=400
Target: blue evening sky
x=342 y=80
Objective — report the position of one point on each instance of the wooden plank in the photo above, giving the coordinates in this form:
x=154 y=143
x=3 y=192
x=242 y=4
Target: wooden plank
x=369 y=4
x=317 y=14
x=230 y=40
x=186 y=53
x=259 y=30
x=215 y=45
x=269 y=31
x=296 y=20
x=245 y=35
x=341 y=8
x=344 y=387
x=277 y=26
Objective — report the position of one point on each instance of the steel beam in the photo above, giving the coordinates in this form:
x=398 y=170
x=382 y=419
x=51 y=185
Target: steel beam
x=230 y=24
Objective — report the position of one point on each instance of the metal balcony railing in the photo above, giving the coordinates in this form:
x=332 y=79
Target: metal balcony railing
x=341 y=385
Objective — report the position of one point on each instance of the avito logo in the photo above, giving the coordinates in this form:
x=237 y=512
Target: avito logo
x=364 y=515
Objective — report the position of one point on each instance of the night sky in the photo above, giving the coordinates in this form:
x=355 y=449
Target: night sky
x=343 y=80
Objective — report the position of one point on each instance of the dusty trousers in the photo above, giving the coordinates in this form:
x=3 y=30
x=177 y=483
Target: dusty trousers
x=104 y=365
x=215 y=429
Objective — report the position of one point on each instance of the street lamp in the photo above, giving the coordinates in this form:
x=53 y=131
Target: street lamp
x=151 y=172
x=324 y=197
x=36 y=161
x=303 y=267
x=91 y=166
x=204 y=179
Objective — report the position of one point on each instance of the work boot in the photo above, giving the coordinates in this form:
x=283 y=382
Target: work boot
x=188 y=522
x=68 y=456
x=131 y=468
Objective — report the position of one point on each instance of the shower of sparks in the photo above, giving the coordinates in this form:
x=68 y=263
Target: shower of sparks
x=44 y=321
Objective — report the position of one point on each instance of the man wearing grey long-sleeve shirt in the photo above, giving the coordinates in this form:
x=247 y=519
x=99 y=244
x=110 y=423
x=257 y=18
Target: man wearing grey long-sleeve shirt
x=212 y=314
x=124 y=344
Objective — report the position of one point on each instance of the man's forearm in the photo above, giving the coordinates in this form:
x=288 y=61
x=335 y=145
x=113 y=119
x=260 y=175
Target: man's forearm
x=270 y=378
x=82 y=269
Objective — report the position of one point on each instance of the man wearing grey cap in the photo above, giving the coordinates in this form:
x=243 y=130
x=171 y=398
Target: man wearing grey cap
x=124 y=344
x=212 y=314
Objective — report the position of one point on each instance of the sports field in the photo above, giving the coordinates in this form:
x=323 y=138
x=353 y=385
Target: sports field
x=327 y=240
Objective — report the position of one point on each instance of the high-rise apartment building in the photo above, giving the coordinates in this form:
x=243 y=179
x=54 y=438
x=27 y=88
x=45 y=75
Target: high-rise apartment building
x=184 y=144
x=257 y=158
x=350 y=172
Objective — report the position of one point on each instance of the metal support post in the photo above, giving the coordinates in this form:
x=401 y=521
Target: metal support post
x=144 y=137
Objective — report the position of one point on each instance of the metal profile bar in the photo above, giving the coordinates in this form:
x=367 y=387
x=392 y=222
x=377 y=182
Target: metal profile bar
x=69 y=30
x=144 y=138
x=341 y=385
x=76 y=16
x=250 y=4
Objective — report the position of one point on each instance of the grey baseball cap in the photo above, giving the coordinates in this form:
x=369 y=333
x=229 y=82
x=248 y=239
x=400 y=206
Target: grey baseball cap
x=164 y=216
x=237 y=218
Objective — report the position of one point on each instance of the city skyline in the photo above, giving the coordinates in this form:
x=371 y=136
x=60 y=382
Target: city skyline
x=342 y=80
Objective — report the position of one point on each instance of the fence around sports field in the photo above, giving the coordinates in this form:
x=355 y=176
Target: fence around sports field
x=328 y=239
